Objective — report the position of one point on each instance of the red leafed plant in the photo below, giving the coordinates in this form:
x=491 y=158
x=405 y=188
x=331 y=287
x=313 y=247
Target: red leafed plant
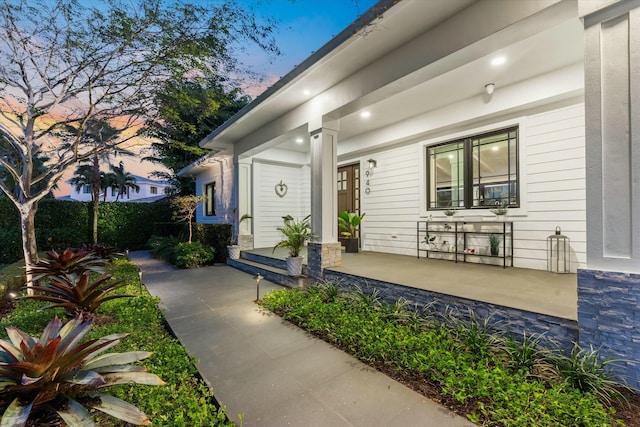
x=58 y=374
x=79 y=295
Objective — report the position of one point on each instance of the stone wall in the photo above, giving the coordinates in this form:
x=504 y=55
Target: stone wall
x=563 y=332
x=321 y=256
x=609 y=318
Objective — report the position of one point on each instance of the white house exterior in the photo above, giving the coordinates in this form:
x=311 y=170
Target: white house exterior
x=150 y=191
x=406 y=87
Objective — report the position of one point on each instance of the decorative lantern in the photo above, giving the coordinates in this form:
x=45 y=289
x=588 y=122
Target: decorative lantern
x=558 y=253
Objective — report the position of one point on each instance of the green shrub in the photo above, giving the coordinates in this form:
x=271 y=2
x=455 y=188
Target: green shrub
x=164 y=247
x=193 y=255
x=465 y=359
x=10 y=244
x=214 y=235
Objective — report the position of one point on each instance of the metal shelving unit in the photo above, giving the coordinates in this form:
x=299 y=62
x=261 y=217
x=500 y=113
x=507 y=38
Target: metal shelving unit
x=464 y=241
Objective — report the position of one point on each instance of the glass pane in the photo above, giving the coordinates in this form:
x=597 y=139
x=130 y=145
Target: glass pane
x=495 y=170
x=446 y=187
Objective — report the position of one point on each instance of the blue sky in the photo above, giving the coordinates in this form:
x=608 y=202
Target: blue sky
x=303 y=27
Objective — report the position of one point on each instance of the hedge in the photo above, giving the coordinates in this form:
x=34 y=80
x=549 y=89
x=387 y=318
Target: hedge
x=216 y=235
x=61 y=224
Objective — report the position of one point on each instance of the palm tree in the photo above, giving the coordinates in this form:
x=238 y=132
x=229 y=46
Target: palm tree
x=98 y=133
x=123 y=181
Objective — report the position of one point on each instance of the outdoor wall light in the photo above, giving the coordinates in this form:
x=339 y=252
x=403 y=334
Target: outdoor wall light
x=372 y=163
x=489 y=88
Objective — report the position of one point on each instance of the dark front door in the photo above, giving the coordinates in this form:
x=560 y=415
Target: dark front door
x=348 y=191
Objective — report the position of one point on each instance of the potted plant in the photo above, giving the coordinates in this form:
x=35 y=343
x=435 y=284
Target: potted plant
x=450 y=212
x=296 y=234
x=234 y=248
x=494 y=243
x=500 y=211
x=349 y=222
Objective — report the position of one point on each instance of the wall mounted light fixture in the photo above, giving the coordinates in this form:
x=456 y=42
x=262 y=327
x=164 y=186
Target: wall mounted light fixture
x=372 y=163
x=489 y=88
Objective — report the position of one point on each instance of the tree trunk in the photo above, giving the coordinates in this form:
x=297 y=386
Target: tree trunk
x=95 y=196
x=29 y=246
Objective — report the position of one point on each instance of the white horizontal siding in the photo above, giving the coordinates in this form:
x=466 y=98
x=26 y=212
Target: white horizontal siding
x=269 y=208
x=392 y=206
x=555 y=187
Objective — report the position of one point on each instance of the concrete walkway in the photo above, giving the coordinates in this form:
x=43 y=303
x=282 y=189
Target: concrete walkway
x=270 y=371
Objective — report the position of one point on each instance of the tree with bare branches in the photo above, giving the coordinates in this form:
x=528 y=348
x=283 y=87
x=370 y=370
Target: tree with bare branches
x=65 y=65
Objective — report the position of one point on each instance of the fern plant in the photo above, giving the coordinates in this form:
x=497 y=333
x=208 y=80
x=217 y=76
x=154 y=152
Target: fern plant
x=57 y=374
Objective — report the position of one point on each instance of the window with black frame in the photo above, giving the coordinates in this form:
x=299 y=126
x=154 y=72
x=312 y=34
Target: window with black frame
x=210 y=202
x=474 y=173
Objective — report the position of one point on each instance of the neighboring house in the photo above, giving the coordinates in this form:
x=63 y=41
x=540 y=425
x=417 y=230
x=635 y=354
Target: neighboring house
x=150 y=191
x=421 y=106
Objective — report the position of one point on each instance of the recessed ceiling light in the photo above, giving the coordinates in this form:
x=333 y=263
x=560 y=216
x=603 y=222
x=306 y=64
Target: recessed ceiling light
x=306 y=92
x=495 y=148
x=299 y=140
x=498 y=60
x=365 y=114
x=451 y=156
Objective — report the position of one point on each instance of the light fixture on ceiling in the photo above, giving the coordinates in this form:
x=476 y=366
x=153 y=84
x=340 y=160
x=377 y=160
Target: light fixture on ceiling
x=299 y=140
x=365 y=114
x=495 y=148
x=489 y=88
x=306 y=92
x=498 y=60
x=372 y=163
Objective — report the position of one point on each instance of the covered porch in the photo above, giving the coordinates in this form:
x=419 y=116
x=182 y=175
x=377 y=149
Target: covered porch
x=519 y=288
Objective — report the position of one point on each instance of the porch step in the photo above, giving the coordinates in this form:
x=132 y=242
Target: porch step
x=269 y=272
x=267 y=260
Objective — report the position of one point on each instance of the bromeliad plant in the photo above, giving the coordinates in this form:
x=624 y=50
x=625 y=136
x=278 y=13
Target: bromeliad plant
x=68 y=264
x=78 y=295
x=56 y=373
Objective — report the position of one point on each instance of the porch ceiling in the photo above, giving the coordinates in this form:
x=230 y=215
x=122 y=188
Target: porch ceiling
x=369 y=66
x=556 y=48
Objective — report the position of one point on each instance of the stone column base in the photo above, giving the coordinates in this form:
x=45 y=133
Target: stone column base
x=608 y=319
x=321 y=256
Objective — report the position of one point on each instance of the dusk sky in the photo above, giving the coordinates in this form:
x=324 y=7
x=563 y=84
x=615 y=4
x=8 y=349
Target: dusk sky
x=303 y=26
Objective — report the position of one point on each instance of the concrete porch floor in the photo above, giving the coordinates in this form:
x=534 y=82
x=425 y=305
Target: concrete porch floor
x=532 y=290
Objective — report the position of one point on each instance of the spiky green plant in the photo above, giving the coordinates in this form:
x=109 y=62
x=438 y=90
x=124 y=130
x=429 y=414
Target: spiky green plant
x=56 y=373
x=296 y=234
x=78 y=295
x=587 y=371
x=68 y=264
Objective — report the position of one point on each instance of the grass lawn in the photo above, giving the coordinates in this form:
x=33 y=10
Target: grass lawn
x=185 y=401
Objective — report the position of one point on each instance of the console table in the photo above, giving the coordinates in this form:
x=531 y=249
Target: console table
x=465 y=241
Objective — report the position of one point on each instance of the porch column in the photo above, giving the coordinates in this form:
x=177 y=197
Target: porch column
x=609 y=288
x=243 y=174
x=325 y=251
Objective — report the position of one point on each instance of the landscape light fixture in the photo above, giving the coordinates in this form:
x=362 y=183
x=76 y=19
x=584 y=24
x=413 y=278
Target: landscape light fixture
x=258 y=278
x=489 y=88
